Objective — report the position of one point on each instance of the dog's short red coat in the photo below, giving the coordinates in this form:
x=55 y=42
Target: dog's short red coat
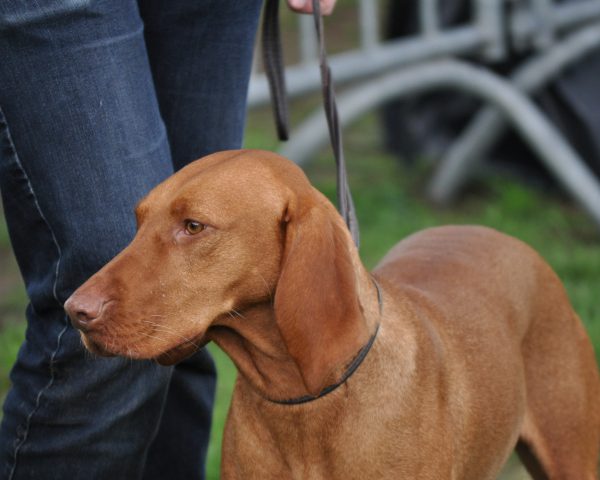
x=478 y=348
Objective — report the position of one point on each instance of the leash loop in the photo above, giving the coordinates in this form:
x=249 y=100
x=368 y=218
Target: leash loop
x=274 y=68
x=275 y=73
x=344 y=196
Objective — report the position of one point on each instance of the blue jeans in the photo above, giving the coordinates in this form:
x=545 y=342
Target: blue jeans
x=99 y=101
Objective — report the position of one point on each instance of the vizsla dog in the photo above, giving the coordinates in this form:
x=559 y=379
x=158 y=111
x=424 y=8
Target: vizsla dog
x=458 y=348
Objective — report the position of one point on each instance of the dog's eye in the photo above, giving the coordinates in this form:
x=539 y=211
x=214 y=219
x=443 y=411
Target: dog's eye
x=192 y=227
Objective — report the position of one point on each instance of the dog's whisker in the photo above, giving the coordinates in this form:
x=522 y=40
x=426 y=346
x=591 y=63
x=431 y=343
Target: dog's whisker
x=164 y=340
x=149 y=322
x=269 y=292
x=158 y=326
x=238 y=314
x=170 y=330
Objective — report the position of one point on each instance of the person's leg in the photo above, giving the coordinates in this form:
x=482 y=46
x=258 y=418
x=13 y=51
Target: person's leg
x=81 y=140
x=201 y=53
x=201 y=56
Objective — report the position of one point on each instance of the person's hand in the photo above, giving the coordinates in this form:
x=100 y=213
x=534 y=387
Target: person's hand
x=305 y=6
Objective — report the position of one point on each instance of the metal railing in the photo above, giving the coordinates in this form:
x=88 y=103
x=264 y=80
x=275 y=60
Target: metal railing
x=557 y=34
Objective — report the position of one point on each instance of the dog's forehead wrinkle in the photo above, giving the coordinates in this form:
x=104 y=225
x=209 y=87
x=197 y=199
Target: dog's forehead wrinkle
x=258 y=178
x=223 y=191
x=256 y=167
x=179 y=206
x=230 y=175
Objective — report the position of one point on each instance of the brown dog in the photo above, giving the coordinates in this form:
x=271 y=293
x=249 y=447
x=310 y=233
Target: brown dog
x=460 y=345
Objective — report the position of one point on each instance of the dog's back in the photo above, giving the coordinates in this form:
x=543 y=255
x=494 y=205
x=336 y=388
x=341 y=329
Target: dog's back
x=510 y=342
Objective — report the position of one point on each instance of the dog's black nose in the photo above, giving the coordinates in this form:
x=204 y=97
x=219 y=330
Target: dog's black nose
x=83 y=310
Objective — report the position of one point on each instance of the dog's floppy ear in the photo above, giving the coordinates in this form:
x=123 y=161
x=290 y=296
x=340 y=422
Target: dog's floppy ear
x=316 y=302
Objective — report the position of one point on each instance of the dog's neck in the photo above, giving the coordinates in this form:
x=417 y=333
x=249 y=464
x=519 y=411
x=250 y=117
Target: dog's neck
x=251 y=338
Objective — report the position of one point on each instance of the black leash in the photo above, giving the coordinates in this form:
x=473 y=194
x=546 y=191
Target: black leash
x=274 y=68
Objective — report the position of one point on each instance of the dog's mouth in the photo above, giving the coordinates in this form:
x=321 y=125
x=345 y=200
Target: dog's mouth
x=95 y=347
x=182 y=351
x=169 y=357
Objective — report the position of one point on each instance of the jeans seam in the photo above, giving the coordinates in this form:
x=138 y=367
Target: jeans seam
x=25 y=435
x=38 y=401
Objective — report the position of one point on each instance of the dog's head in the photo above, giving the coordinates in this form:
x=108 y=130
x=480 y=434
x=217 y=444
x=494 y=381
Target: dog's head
x=230 y=231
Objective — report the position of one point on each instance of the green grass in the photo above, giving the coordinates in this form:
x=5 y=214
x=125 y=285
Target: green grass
x=4 y=241
x=11 y=336
x=225 y=379
x=391 y=205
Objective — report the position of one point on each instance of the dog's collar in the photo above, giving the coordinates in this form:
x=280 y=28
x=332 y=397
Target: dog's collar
x=352 y=367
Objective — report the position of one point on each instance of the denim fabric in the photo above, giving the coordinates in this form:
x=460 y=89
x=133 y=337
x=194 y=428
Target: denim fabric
x=95 y=111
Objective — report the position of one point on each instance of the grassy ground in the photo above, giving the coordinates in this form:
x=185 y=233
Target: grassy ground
x=12 y=304
x=390 y=206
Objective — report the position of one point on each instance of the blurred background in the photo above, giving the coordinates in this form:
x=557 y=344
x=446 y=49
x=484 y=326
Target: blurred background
x=416 y=79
